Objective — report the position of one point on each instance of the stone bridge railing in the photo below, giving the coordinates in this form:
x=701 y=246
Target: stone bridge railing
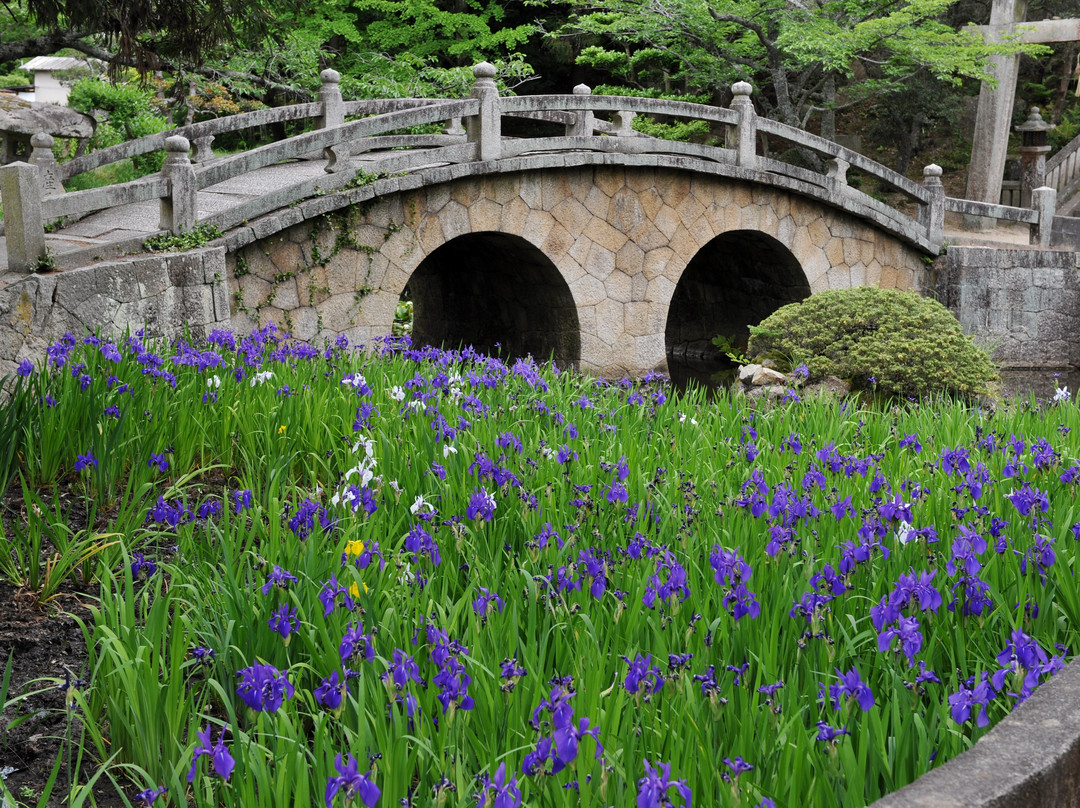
x=1063 y=170
x=34 y=199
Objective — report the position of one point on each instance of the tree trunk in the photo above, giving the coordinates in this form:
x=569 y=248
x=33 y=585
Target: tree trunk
x=828 y=114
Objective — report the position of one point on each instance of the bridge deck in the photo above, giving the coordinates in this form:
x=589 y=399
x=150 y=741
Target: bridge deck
x=139 y=221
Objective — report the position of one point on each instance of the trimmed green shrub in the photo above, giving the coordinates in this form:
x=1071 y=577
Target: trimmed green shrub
x=893 y=342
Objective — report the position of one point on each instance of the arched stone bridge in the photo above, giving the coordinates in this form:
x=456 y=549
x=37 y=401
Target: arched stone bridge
x=608 y=265
x=580 y=238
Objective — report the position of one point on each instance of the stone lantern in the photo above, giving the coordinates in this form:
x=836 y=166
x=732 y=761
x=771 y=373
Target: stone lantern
x=1033 y=151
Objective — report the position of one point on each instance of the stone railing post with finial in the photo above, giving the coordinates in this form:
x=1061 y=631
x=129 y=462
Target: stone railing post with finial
x=745 y=134
x=333 y=114
x=485 y=128
x=22 y=216
x=42 y=156
x=583 y=120
x=932 y=213
x=179 y=209
x=1044 y=200
x=333 y=107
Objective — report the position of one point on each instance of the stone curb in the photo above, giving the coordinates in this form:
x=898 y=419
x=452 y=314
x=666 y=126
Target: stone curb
x=1030 y=759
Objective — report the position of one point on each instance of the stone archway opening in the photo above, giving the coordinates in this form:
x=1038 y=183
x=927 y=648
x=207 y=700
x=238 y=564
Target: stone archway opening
x=735 y=281
x=497 y=293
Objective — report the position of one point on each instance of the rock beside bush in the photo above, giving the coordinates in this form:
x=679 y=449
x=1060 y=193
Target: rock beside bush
x=883 y=340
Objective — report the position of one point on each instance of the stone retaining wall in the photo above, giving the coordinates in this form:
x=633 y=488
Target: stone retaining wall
x=1022 y=304
x=1031 y=759
x=163 y=293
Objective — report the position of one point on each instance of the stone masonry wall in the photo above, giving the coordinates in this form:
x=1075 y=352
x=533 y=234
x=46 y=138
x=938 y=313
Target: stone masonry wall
x=620 y=238
x=162 y=293
x=1024 y=305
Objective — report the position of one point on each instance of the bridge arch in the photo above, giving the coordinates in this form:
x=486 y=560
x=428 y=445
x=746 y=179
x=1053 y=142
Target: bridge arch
x=497 y=292
x=736 y=280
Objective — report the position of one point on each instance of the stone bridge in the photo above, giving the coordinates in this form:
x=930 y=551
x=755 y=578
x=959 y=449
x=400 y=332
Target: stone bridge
x=577 y=238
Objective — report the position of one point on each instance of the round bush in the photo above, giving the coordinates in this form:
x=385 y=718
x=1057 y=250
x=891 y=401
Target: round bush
x=896 y=343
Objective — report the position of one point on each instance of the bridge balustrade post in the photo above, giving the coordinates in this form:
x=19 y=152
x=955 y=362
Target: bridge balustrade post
x=333 y=107
x=22 y=216
x=622 y=123
x=932 y=213
x=745 y=135
x=584 y=121
x=179 y=209
x=204 y=149
x=333 y=114
x=42 y=156
x=485 y=128
x=1044 y=200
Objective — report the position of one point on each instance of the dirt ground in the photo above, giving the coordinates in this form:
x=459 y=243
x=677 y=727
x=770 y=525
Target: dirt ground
x=47 y=651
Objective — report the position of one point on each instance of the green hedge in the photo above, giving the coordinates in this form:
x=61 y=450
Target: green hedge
x=893 y=342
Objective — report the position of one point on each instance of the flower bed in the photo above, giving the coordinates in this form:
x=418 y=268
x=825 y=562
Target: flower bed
x=338 y=578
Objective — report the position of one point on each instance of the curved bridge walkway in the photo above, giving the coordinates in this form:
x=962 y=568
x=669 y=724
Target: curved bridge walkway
x=609 y=240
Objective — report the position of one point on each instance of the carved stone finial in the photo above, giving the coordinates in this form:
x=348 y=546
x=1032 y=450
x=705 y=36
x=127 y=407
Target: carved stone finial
x=484 y=70
x=329 y=76
x=583 y=89
x=177 y=144
x=932 y=170
x=742 y=88
x=42 y=140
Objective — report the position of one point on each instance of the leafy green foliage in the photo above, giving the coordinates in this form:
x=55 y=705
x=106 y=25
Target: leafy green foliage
x=693 y=130
x=129 y=112
x=789 y=51
x=188 y=240
x=907 y=344
x=15 y=78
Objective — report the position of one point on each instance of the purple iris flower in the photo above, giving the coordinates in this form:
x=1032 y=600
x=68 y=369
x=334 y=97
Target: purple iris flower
x=911 y=638
x=504 y=794
x=241 y=500
x=481 y=506
x=1029 y=499
x=352 y=782
x=851 y=685
x=1022 y=655
x=829 y=734
x=911 y=441
x=331 y=692
x=403 y=668
x=25 y=368
x=85 y=461
x=970 y=697
x=453 y=684
x=654 y=786
x=158 y=460
x=483 y=603
x=141 y=567
x=278 y=577
x=222 y=761
x=147 y=796
x=264 y=688
x=643 y=676
x=284 y=621
x=738 y=766
x=356 y=642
